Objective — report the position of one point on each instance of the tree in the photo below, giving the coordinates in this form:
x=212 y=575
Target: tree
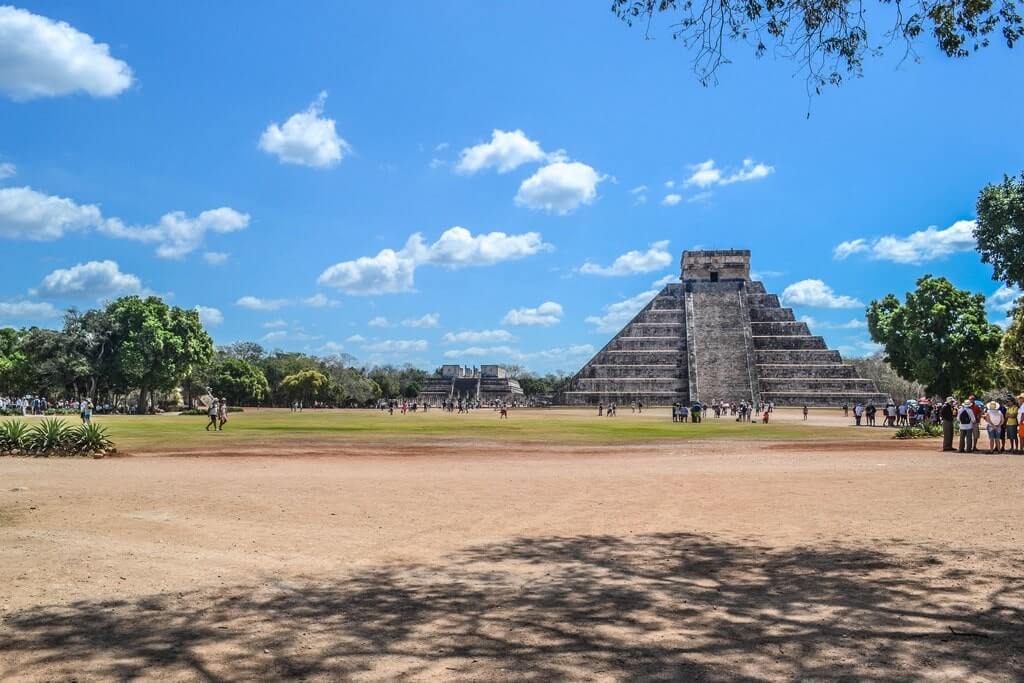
x=13 y=363
x=828 y=38
x=306 y=385
x=1011 y=351
x=885 y=378
x=238 y=381
x=939 y=337
x=155 y=345
x=1000 y=229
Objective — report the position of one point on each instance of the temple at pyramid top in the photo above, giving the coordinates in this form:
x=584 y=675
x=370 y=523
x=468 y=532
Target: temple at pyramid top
x=717 y=335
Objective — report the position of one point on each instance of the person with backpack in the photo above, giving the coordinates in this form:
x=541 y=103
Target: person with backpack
x=211 y=412
x=967 y=421
x=946 y=414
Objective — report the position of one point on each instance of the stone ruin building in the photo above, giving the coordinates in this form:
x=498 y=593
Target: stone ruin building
x=486 y=384
x=717 y=335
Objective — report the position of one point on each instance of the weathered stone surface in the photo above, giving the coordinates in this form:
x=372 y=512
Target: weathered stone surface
x=718 y=336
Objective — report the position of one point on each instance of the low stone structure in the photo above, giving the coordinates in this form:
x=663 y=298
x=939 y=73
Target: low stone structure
x=486 y=384
x=718 y=336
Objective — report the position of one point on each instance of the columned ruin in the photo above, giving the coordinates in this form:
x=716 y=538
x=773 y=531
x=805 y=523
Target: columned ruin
x=717 y=335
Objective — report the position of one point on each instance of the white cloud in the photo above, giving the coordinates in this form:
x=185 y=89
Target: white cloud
x=560 y=187
x=274 y=336
x=274 y=324
x=483 y=351
x=706 y=174
x=853 y=324
x=633 y=262
x=477 y=336
x=215 y=258
x=40 y=57
x=319 y=300
x=210 y=316
x=395 y=346
x=379 y=321
x=392 y=271
x=27 y=310
x=664 y=280
x=616 y=315
x=331 y=347
x=306 y=138
x=672 y=199
x=441 y=146
x=765 y=274
x=639 y=194
x=178 y=234
x=504 y=352
x=669 y=184
x=356 y=339
x=257 y=304
x=844 y=250
x=548 y=313
x=639 y=189
x=93 y=279
x=917 y=247
x=1003 y=299
x=817 y=294
x=7 y=170
x=506 y=151
x=27 y=214
x=425 y=321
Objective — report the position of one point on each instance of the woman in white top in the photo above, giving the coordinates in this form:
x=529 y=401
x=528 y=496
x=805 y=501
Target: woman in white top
x=994 y=425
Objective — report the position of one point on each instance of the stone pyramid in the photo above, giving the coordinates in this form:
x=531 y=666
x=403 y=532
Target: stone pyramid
x=718 y=336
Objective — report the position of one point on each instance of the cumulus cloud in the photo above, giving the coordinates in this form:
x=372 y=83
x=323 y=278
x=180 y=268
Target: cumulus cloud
x=27 y=310
x=392 y=271
x=319 y=300
x=477 y=336
x=28 y=214
x=40 y=57
x=210 y=316
x=306 y=138
x=854 y=324
x=506 y=151
x=548 y=313
x=254 y=303
x=7 y=170
x=639 y=194
x=633 y=262
x=817 y=294
x=918 y=247
x=379 y=321
x=424 y=321
x=395 y=345
x=672 y=199
x=707 y=174
x=92 y=279
x=561 y=187
x=274 y=324
x=356 y=339
x=1003 y=299
x=616 y=315
x=215 y=258
x=510 y=353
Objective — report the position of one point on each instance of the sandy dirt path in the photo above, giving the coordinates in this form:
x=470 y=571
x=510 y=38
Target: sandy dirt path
x=713 y=561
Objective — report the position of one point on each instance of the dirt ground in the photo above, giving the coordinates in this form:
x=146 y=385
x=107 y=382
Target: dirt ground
x=716 y=561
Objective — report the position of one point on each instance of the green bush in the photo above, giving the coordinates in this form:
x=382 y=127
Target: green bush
x=90 y=439
x=48 y=436
x=921 y=431
x=12 y=437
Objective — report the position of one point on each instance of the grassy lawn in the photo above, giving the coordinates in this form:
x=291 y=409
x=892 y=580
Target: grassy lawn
x=538 y=425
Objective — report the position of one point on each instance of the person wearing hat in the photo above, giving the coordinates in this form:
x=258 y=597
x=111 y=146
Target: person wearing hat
x=966 y=421
x=1010 y=430
x=946 y=414
x=994 y=426
x=1020 y=423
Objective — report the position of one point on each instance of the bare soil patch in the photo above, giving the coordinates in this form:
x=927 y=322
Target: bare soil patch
x=477 y=561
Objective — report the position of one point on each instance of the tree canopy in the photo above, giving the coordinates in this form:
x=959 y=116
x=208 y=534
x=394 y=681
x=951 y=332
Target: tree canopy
x=830 y=39
x=940 y=336
x=1000 y=229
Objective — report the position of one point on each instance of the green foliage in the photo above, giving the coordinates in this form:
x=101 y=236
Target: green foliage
x=48 y=436
x=829 y=38
x=238 y=381
x=13 y=434
x=89 y=439
x=1011 y=351
x=1000 y=229
x=308 y=385
x=922 y=431
x=939 y=337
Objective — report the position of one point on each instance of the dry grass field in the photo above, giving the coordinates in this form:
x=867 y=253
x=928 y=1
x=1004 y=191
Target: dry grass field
x=558 y=546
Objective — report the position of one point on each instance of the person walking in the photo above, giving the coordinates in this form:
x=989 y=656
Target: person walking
x=222 y=413
x=805 y=413
x=967 y=421
x=86 y=409
x=211 y=412
x=858 y=412
x=946 y=415
x=993 y=418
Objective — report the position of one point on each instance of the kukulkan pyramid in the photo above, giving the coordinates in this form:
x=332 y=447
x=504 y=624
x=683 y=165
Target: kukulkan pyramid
x=717 y=335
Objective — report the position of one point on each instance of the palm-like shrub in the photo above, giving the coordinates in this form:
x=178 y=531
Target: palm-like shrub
x=90 y=439
x=12 y=436
x=49 y=436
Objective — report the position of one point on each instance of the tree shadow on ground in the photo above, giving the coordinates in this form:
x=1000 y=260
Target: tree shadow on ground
x=655 y=607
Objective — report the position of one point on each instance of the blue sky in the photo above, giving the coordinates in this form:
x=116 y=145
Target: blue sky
x=300 y=174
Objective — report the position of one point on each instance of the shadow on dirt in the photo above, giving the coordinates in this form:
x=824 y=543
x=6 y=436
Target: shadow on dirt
x=656 y=607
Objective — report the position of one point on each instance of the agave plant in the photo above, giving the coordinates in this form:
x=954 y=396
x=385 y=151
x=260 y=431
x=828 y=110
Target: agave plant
x=90 y=439
x=13 y=434
x=49 y=437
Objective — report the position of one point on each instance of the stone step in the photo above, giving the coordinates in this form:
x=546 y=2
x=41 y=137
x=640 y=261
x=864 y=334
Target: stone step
x=665 y=315
x=666 y=303
x=763 y=300
x=780 y=328
x=826 y=398
x=648 y=398
x=627 y=371
x=761 y=314
x=629 y=385
x=649 y=330
x=796 y=356
x=627 y=358
x=777 y=342
x=830 y=370
x=817 y=384
x=648 y=344
x=756 y=287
